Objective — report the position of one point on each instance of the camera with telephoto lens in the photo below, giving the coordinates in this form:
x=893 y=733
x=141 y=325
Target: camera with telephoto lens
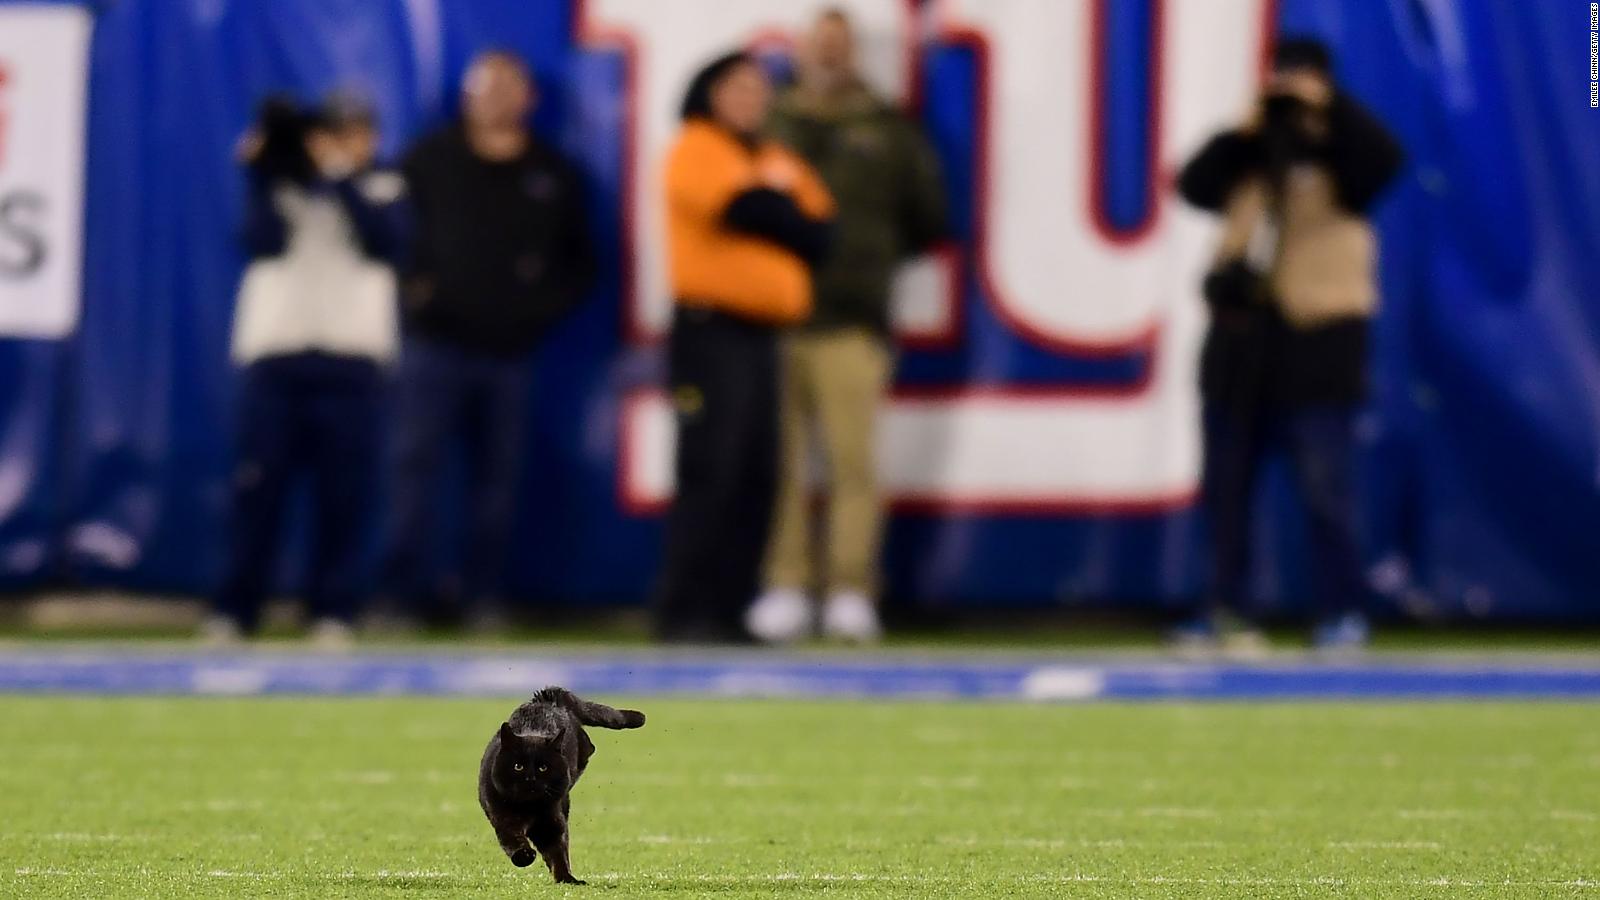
x=282 y=127
x=1283 y=113
x=1284 y=135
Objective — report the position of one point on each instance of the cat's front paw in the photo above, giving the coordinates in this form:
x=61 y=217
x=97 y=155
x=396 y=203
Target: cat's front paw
x=523 y=858
x=570 y=880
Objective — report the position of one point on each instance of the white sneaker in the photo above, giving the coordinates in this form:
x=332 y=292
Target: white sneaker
x=851 y=616
x=1246 y=645
x=331 y=635
x=780 y=616
x=220 y=631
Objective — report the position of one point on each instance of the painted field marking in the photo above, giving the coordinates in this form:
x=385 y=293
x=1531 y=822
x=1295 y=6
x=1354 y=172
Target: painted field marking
x=121 y=672
x=1385 y=845
x=860 y=877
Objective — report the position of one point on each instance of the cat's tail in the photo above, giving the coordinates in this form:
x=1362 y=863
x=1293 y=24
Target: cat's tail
x=597 y=715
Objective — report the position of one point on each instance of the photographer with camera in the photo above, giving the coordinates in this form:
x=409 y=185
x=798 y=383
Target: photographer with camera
x=315 y=326
x=1291 y=294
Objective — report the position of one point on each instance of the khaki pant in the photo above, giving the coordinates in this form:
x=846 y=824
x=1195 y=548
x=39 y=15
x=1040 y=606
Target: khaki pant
x=833 y=385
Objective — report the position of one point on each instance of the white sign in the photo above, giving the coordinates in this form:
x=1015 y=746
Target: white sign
x=43 y=81
x=1050 y=267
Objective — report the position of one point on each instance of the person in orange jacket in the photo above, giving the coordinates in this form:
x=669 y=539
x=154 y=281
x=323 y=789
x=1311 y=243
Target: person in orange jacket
x=747 y=223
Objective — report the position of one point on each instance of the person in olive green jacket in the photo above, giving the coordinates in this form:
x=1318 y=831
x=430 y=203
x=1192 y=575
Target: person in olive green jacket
x=891 y=206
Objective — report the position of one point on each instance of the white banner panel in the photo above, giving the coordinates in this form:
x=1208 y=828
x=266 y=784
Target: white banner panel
x=43 y=86
x=1049 y=265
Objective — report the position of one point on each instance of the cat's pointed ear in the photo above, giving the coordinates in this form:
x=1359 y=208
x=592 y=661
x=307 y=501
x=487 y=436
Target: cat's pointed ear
x=506 y=734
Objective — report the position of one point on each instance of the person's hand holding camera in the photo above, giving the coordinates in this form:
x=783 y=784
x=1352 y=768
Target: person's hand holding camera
x=1308 y=87
x=249 y=146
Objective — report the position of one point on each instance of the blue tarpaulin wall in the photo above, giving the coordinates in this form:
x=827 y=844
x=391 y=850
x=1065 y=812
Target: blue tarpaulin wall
x=1484 y=433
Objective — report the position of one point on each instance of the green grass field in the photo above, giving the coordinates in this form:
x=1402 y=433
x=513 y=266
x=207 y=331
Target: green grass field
x=177 y=798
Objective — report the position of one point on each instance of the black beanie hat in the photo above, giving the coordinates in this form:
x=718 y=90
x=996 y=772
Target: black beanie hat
x=341 y=108
x=1300 y=52
x=697 y=99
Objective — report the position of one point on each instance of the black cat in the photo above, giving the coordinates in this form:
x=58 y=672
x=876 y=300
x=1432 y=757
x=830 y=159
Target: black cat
x=529 y=768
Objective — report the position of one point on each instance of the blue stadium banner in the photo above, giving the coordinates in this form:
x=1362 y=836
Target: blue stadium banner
x=1040 y=447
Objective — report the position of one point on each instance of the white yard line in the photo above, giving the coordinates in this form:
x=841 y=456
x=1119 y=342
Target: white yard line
x=220 y=806
x=1086 y=878
x=379 y=875
x=704 y=840
x=1438 y=813
x=1385 y=845
x=1444 y=881
x=1069 y=843
x=679 y=839
x=109 y=837
x=749 y=780
x=370 y=776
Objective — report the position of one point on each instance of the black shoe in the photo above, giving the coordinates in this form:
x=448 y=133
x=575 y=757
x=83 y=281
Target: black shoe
x=488 y=620
x=702 y=633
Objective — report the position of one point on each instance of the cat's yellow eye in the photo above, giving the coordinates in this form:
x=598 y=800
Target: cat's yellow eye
x=516 y=767
x=544 y=768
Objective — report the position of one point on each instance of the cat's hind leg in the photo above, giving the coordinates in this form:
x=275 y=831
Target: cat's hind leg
x=552 y=842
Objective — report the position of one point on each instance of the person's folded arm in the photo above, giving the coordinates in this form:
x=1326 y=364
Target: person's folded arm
x=263 y=232
x=774 y=216
x=924 y=212
x=377 y=208
x=1210 y=177
x=1360 y=153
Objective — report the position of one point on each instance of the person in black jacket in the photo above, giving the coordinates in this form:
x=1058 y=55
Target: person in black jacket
x=1292 y=292
x=501 y=254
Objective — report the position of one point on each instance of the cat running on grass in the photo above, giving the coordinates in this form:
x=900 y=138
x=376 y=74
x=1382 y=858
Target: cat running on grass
x=528 y=770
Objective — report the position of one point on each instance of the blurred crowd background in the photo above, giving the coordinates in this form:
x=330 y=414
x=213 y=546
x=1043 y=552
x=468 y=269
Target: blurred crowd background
x=766 y=315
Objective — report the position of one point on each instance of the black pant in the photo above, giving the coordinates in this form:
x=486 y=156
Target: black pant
x=723 y=375
x=1320 y=442
x=447 y=395
x=310 y=416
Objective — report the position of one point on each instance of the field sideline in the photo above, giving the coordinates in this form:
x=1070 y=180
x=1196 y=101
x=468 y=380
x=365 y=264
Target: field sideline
x=374 y=797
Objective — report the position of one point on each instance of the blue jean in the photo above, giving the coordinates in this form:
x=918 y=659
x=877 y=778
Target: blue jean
x=310 y=417
x=1320 y=442
x=450 y=396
